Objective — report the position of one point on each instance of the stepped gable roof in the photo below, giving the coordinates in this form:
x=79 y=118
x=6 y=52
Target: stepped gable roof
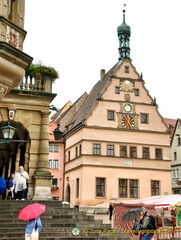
x=92 y=98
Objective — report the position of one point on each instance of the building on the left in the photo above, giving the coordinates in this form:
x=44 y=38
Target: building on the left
x=24 y=105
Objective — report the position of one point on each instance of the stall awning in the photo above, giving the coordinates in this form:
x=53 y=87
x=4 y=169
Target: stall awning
x=154 y=201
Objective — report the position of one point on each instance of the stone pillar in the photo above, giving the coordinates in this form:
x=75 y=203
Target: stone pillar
x=42 y=175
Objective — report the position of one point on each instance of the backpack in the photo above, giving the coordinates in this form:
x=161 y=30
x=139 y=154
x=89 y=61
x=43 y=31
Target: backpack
x=152 y=225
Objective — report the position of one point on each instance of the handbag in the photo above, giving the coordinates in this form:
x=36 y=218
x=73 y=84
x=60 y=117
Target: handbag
x=35 y=233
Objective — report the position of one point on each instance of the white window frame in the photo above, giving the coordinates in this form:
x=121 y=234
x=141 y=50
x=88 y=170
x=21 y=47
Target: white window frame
x=175 y=173
x=53 y=148
x=53 y=163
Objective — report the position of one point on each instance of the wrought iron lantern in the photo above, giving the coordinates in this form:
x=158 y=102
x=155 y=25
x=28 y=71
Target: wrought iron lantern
x=8 y=132
x=58 y=132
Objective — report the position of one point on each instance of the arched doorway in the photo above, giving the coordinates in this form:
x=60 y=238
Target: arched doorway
x=14 y=152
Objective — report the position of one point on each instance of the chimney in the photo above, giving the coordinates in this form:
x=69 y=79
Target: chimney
x=102 y=74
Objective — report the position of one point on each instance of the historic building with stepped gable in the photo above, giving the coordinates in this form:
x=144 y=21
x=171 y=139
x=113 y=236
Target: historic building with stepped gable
x=117 y=145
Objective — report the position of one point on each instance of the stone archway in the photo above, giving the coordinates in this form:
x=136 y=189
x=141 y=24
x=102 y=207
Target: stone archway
x=14 y=153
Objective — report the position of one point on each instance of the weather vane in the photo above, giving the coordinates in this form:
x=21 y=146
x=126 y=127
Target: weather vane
x=124 y=5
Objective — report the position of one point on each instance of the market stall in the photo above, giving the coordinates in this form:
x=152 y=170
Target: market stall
x=166 y=208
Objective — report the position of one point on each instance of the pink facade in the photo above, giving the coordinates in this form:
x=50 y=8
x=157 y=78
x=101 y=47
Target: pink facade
x=56 y=163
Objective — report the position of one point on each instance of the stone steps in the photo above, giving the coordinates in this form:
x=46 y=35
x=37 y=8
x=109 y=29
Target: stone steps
x=58 y=222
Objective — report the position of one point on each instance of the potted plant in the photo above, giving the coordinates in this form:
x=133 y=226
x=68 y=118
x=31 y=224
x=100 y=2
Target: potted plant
x=44 y=76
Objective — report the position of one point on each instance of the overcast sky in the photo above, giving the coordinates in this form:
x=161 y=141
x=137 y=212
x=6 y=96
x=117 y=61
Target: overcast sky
x=79 y=38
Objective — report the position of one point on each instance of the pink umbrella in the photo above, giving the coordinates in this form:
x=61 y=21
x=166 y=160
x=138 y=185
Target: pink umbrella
x=31 y=211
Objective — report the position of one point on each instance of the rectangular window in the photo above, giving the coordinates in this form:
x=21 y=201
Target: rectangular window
x=179 y=141
x=117 y=90
x=176 y=192
x=133 y=153
x=128 y=188
x=53 y=148
x=146 y=152
x=123 y=151
x=158 y=153
x=126 y=69
x=50 y=163
x=54 y=183
x=97 y=149
x=110 y=115
x=53 y=163
x=155 y=188
x=77 y=187
x=110 y=150
x=123 y=188
x=68 y=155
x=175 y=173
x=100 y=187
x=136 y=92
x=144 y=118
x=76 y=152
x=175 y=156
x=80 y=149
x=133 y=189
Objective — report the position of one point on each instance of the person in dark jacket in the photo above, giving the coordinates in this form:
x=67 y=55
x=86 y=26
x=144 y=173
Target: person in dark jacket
x=144 y=222
x=10 y=187
x=111 y=209
x=32 y=223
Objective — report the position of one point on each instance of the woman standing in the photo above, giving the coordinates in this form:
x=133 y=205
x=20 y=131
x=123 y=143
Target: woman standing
x=20 y=183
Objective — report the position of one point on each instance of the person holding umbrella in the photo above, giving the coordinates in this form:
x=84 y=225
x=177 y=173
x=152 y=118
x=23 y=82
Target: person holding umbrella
x=144 y=223
x=33 y=224
x=31 y=214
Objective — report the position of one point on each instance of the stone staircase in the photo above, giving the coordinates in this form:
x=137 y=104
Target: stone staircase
x=58 y=223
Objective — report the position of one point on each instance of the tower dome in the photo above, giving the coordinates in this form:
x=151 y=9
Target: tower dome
x=124 y=33
x=124 y=28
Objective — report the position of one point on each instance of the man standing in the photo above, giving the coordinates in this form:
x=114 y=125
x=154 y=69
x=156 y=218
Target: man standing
x=144 y=222
x=110 y=210
x=20 y=183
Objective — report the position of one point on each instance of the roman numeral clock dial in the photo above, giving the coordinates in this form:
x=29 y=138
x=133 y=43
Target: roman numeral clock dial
x=127 y=122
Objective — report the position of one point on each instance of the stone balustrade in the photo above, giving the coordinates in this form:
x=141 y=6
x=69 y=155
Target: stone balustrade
x=42 y=84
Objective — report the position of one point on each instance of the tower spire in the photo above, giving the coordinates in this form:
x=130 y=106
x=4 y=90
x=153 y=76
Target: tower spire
x=124 y=33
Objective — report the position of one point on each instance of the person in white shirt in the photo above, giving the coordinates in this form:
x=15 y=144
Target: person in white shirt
x=20 y=180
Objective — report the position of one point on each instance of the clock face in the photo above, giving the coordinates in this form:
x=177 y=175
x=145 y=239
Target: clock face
x=127 y=108
x=126 y=86
x=127 y=122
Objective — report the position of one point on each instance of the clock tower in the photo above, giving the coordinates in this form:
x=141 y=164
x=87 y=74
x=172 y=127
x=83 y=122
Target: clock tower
x=122 y=138
x=124 y=33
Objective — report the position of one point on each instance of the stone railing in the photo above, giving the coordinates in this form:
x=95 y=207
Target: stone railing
x=42 y=84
